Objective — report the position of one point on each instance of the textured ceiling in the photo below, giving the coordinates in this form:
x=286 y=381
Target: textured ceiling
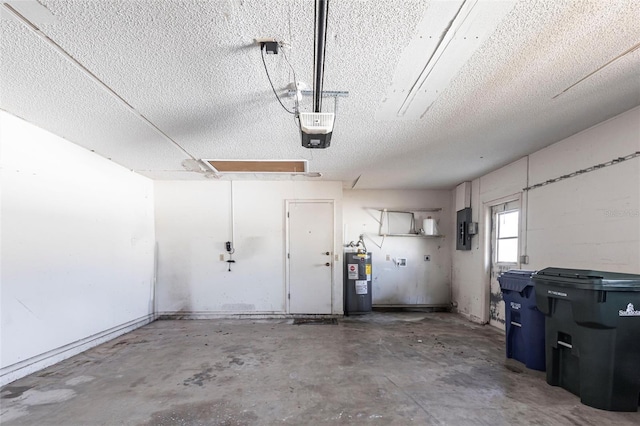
x=192 y=70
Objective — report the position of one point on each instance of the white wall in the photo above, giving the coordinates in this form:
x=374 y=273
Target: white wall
x=77 y=249
x=193 y=222
x=420 y=283
x=470 y=269
x=591 y=221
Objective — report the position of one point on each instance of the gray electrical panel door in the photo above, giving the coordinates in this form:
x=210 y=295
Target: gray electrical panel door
x=463 y=238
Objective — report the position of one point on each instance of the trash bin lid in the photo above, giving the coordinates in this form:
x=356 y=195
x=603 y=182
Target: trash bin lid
x=588 y=279
x=516 y=280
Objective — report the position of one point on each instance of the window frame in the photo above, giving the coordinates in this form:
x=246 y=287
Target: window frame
x=498 y=239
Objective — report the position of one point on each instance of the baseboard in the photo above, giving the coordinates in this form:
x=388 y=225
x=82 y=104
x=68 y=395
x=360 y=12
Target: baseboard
x=470 y=317
x=23 y=368
x=203 y=315
x=412 y=305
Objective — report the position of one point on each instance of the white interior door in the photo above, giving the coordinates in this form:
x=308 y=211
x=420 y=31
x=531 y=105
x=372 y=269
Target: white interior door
x=310 y=257
x=505 y=232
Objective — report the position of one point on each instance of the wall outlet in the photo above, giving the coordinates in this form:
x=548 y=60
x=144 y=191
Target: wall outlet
x=427 y=258
x=388 y=257
x=222 y=258
x=401 y=262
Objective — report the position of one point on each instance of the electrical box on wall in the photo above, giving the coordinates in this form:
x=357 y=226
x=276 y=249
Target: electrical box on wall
x=463 y=196
x=472 y=228
x=463 y=238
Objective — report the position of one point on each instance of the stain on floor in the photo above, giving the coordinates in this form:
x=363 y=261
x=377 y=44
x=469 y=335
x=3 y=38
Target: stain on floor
x=9 y=392
x=315 y=321
x=380 y=368
x=200 y=378
x=214 y=413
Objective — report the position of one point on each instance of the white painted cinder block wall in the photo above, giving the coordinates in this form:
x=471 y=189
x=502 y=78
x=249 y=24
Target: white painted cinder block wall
x=591 y=221
x=193 y=222
x=77 y=249
x=420 y=282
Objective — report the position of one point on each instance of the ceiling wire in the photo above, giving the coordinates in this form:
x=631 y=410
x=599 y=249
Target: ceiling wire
x=292 y=71
x=289 y=40
x=587 y=170
x=38 y=32
x=626 y=52
x=335 y=110
x=296 y=117
x=271 y=83
x=289 y=22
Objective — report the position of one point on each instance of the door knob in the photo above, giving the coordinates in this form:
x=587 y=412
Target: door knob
x=328 y=254
x=327 y=264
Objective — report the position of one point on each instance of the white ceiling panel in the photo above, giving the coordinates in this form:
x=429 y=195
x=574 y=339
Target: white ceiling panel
x=40 y=86
x=191 y=68
x=449 y=34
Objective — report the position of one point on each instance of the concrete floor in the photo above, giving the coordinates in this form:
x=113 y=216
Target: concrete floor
x=383 y=368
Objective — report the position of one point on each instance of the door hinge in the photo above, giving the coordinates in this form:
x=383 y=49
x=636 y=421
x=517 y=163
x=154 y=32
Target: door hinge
x=288 y=255
x=287 y=214
x=289 y=296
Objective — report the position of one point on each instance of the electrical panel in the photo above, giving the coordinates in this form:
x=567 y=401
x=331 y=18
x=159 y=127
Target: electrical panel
x=463 y=237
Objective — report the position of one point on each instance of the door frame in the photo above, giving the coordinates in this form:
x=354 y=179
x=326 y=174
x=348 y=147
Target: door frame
x=287 y=260
x=487 y=220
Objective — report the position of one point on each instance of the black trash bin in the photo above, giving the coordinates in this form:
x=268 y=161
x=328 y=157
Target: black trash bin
x=592 y=335
x=524 y=323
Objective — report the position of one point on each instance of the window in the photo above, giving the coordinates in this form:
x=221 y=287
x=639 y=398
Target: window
x=507 y=241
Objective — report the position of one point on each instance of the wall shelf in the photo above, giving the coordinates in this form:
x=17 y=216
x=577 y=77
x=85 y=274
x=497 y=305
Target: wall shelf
x=404 y=224
x=402 y=210
x=412 y=305
x=411 y=235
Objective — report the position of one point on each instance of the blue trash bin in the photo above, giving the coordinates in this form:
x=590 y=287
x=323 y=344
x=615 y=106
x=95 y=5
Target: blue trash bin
x=524 y=323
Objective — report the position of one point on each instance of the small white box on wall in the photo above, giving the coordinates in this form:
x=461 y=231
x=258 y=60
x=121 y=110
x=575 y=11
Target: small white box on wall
x=463 y=196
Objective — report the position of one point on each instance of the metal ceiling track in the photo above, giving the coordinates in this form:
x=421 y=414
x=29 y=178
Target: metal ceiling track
x=320 y=38
x=325 y=93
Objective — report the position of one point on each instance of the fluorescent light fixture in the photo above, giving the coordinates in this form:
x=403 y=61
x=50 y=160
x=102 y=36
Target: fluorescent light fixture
x=31 y=10
x=449 y=34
